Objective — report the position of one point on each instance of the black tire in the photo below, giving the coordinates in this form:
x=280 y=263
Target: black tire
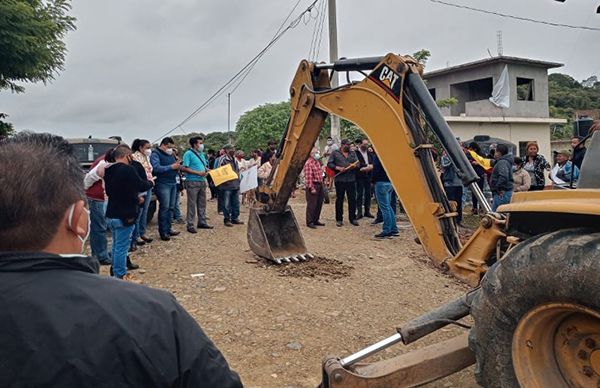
x=561 y=266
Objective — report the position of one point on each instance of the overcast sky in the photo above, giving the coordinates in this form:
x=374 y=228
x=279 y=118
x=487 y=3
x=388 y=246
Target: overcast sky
x=137 y=68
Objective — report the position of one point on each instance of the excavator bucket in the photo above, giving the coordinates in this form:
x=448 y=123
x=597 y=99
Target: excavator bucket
x=276 y=236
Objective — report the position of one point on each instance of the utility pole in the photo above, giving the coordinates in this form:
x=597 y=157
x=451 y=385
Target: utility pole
x=333 y=56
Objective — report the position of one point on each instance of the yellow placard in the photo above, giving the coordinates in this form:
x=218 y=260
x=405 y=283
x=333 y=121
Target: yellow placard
x=222 y=174
x=483 y=162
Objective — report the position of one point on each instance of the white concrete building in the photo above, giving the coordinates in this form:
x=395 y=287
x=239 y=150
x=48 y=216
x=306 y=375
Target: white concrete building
x=527 y=116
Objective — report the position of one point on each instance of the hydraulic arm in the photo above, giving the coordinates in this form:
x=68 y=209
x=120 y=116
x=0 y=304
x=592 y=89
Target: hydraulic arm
x=394 y=108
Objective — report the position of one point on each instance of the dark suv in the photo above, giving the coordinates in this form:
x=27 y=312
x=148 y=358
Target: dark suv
x=89 y=149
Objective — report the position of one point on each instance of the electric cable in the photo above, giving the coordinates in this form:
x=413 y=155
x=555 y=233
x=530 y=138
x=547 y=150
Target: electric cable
x=293 y=24
x=515 y=17
x=318 y=48
x=275 y=35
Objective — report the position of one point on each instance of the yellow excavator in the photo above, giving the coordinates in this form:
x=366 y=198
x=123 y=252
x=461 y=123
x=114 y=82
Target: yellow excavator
x=534 y=265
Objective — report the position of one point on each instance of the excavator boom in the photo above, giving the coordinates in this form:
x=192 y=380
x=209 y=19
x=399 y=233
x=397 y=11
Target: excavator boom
x=393 y=107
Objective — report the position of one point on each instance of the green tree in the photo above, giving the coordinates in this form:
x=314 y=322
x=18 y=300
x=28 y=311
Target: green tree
x=565 y=96
x=6 y=129
x=422 y=56
x=216 y=140
x=257 y=126
x=31 y=40
x=212 y=140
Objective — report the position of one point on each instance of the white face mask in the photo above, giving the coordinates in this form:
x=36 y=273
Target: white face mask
x=148 y=152
x=169 y=151
x=201 y=147
x=87 y=235
x=317 y=156
x=329 y=142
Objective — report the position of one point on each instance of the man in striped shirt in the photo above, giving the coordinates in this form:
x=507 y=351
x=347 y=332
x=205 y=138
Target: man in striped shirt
x=313 y=179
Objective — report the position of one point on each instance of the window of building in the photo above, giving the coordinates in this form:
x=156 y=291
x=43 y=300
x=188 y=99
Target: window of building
x=525 y=89
x=432 y=92
x=476 y=90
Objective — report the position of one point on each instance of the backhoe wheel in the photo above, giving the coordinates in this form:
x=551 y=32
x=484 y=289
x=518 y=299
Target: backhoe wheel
x=537 y=315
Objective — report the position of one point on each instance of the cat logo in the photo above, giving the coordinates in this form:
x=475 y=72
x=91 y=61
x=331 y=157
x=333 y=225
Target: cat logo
x=388 y=79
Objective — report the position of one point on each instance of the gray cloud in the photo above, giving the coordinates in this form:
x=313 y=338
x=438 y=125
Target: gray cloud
x=137 y=68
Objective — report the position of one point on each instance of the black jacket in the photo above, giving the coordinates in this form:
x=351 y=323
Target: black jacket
x=502 y=176
x=578 y=155
x=379 y=174
x=233 y=184
x=63 y=325
x=337 y=159
x=123 y=185
x=363 y=163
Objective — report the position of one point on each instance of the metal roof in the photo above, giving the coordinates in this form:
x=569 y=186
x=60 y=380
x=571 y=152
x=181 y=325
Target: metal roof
x=490 y=61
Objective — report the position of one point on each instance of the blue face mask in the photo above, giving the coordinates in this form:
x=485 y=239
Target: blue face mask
x=514 y=168
x=317 y=156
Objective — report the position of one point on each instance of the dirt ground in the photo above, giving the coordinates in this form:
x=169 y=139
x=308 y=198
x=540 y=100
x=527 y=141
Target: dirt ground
x=275 y=324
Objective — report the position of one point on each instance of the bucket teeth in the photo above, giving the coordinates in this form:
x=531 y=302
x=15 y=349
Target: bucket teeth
x=286 y=259
x=294 y=259
x=310 y=255
x=278 y=261
x=302 y=257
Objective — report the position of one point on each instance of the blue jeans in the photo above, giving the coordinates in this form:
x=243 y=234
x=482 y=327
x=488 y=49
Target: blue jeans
x=393 y=204
x=143 y=218
x=121 y=238
x=140 y=222
x=231 y=204
x=383 y=193
x=176 y=209
x=98 y=230
x=501 y=200
x=167 y=195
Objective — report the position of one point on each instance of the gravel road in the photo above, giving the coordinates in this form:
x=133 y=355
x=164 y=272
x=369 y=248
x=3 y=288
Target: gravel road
x=275 y=324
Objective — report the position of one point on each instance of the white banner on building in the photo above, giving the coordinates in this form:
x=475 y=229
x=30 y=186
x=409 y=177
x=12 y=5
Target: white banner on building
x=249 y=179
x=501 y=93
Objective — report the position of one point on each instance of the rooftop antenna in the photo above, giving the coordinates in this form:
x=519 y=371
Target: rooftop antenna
x=499 y=42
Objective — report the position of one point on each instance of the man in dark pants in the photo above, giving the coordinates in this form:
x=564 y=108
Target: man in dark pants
x=344 y=163
x=313 y=179
x=165 y=167
x=62 y=324
x=363 y=180
x=230 y=191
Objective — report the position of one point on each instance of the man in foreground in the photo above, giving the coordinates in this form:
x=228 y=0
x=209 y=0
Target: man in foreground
x=63 y=325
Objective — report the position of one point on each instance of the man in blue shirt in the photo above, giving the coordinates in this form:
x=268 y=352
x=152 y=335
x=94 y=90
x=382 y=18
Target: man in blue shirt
x=165 y=167
x=195 y=167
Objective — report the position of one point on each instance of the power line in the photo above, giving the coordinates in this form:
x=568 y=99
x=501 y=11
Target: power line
x=516 y=17
x=314 y=38
x=274 y=36
x=323 y=13
x=293 y=24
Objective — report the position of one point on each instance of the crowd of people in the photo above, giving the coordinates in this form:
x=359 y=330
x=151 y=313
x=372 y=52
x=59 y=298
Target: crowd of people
x=102 y=322
x=505 y=173
x=63 y=324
